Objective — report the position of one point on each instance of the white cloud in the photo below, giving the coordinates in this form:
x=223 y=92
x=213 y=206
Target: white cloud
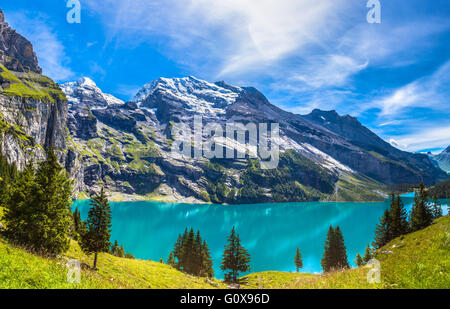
x=436 y=137
x=49 y=50
x=230 y=37
x=427 y=92
x=329 y=70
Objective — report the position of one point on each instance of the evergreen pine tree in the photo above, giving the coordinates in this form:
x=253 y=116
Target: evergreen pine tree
x=335 y=254
x=96 y=239
x=383 y=232
x=359 y=261
x=367 y=254
x=298 y=260
x=207 y=269
x=121 y=251
x=398 y=218
x=341 y=251
x=421 y=215
x=191 y=254
x=436 y=208
x=235 y=258
x=171 y=260
x=329 y=256
x=38 y=213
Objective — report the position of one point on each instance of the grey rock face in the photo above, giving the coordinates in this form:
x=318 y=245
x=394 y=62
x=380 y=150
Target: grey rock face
x=82 y=123
x=390 y=165
x=16 y=52
x=44 y=123
x=31 y=125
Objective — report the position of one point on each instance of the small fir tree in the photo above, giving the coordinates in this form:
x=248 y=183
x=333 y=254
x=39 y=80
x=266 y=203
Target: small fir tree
x=235 y=258
x=359 y=261
x=298 y=260
x=421 y=215
x=96 y=239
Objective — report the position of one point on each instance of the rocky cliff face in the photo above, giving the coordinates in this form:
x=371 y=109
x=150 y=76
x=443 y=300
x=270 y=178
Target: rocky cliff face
x=16 y=52
x=377 y=159
x=33 y=109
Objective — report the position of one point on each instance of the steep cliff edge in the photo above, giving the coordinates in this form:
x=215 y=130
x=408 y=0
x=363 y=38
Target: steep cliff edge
x=33 y=109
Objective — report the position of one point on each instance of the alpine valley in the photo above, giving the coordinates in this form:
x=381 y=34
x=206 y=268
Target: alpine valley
x=125 y=146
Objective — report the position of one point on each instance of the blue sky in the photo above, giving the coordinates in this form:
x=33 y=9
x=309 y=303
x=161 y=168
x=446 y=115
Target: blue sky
x=302 y=54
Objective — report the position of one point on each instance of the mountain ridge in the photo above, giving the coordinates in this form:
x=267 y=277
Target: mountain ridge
x=126 y=146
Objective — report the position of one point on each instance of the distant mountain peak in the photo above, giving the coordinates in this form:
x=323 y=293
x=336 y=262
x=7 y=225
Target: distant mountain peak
x=86 y=92
x=189 y=93
x=86 y=82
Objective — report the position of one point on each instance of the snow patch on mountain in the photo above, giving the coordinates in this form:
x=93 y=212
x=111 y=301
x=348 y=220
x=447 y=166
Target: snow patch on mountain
x=85 y=91
x=197 y=95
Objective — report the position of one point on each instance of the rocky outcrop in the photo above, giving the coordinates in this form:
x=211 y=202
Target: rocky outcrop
x=33 y=118
x=377 y=158
x=82 y=123
x=16 y=52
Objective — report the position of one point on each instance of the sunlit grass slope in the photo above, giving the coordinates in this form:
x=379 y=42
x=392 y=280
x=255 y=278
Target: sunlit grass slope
x=21 y=269
x=420 y=260
x=24 y=270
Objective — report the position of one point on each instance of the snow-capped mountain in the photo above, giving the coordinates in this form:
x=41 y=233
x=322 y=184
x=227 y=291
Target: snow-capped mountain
x=189 y=94
x=85 y=92
x=126 y=147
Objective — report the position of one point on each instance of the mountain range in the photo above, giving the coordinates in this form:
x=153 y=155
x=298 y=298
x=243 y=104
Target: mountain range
x=125 y=146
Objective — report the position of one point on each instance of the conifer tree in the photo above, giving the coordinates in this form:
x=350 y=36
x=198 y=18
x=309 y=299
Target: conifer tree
x=421 y=215
x=367 y=254
x=329 y=256
x=298 y=261
x=335 y=254
x=341 y=251
x=383 y=231
x=96 y=239
x=79 y=226
x=206 y=260
x=38 y=213
x=171 y=260
x=436 y=208
x=398 y=218
x=235 y=258
x=117 y=250
x=359 y=261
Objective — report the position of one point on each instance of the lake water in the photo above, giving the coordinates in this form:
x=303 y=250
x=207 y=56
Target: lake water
x=271 y=232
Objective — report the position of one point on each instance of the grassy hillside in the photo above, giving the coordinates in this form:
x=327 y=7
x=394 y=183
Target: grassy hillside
x=420 y=260
x=23 y=270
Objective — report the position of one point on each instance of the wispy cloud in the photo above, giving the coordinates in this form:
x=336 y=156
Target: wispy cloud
x=426 y=138
x=50 y=51
x=427 y=92
x=227 y=38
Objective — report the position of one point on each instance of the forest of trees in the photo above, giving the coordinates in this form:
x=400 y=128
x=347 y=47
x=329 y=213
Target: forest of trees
x=191 y=255
x=395 y=223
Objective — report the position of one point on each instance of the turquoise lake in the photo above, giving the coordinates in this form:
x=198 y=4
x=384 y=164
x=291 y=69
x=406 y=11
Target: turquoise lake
x=271 y=232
